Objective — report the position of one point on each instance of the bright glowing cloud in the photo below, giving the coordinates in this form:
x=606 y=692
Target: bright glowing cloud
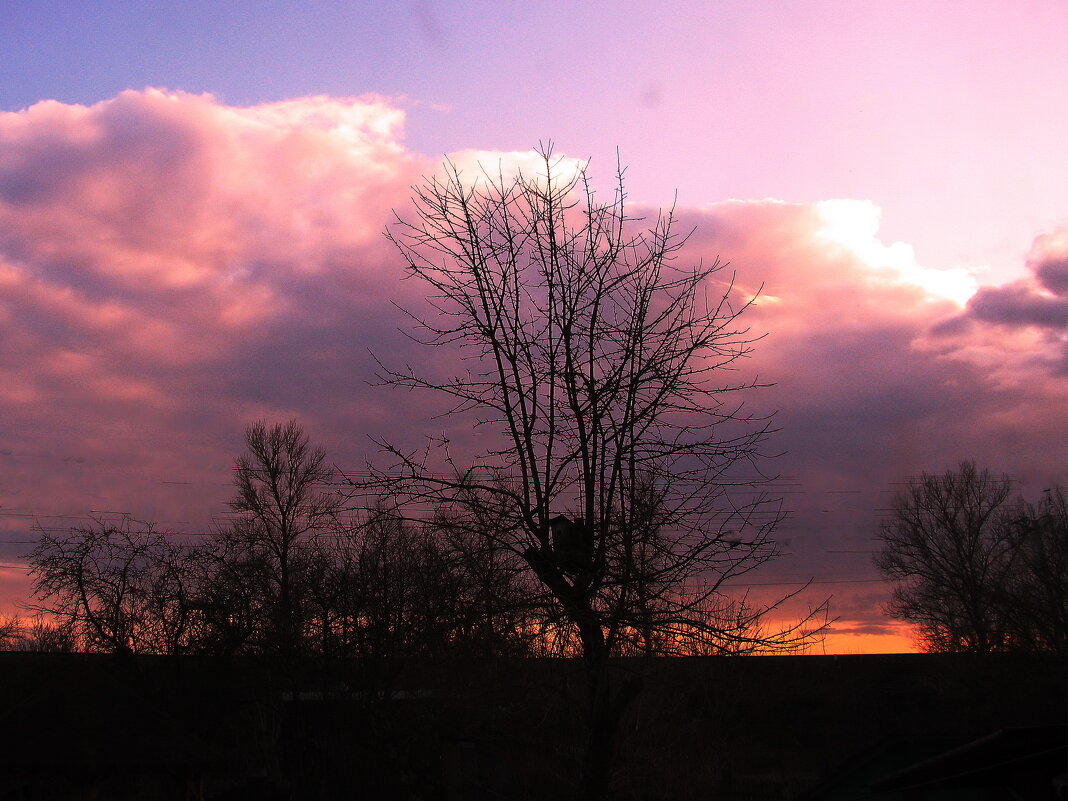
x=854 y=224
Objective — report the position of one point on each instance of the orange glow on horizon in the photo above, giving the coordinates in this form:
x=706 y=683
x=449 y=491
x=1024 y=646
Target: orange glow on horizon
x=899 y=640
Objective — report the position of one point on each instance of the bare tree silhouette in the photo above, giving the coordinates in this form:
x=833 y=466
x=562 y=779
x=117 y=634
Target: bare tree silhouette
x=266 y=556
x=974 y=571
x=627 y=476
x=118 y=586
x=1036 y=596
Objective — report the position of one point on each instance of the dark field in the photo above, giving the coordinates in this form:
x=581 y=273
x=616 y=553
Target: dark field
x=94 y=726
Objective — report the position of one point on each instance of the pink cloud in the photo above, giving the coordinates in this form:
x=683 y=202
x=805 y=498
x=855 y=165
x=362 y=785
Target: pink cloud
x=172 y=268
x=1040 y=300
x=869 y=388
x=1027 y=317
x=1049 y=261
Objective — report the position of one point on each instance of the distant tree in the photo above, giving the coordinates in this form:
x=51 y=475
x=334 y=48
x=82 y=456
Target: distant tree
x=332 y=598
x=116 y=586
x=233 y=606
x=973 y=571
x=604 y=366
x=492 y=605
x=1036 y=593
x=403 y=588
x=40 y=635
x=10 y=632
x=387 y=557
x=259 y=589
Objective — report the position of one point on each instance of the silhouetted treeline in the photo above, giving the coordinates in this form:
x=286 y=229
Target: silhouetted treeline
x=292 y=574
x=296 y=574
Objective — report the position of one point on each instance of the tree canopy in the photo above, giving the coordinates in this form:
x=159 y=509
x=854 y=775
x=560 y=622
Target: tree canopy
x=974 y=570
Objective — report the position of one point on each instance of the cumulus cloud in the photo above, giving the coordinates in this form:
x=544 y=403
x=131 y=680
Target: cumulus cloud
x=1018 y=304
x=868 y=392
x=1027 y=318
x=172 y=268
x=1048 y=260
x=1040 y=300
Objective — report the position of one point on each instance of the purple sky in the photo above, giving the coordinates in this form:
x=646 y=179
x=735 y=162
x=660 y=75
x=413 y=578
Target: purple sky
x=179 y=261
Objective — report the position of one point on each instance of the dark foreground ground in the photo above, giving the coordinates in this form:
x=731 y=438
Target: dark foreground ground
x=101 y=727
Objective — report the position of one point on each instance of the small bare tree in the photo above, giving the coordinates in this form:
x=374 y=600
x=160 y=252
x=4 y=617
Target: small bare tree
x=493 y=606
x=627 y=474
x=118 y=586
x=40 y=635
x=265 y=557
x=1037 y=591
x=11 y=633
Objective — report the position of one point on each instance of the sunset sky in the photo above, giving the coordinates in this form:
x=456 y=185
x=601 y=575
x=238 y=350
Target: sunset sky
x=192 y=200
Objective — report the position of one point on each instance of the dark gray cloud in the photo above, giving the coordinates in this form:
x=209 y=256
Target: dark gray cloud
x=1018 y=304
x=1038 y=300
x=1053 y=274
